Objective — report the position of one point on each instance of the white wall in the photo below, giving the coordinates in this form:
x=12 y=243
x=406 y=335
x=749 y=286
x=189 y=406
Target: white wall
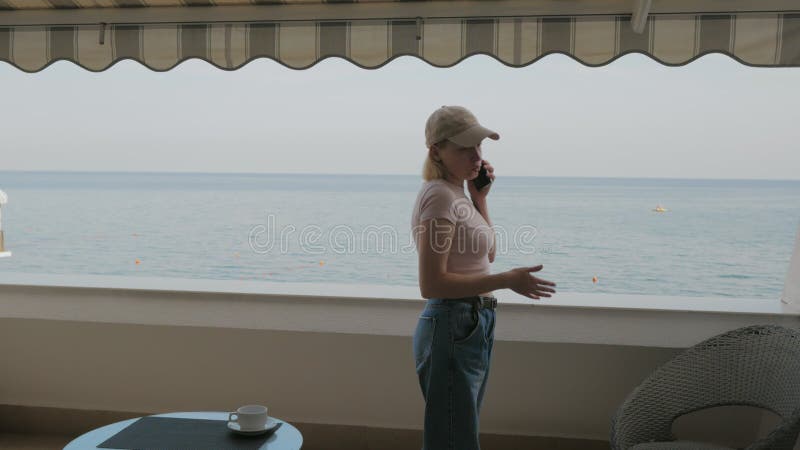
x=535 y=388
x=560 y=368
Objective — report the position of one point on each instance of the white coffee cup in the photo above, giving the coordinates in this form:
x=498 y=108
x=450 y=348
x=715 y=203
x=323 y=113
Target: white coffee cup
x=249 y=417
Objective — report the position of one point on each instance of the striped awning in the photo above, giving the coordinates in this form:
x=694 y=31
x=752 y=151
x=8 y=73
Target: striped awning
x=160 y=34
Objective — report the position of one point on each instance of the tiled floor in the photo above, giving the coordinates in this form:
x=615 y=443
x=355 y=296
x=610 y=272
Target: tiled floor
x=324 y=439
x=14 y=441
x=65 y=425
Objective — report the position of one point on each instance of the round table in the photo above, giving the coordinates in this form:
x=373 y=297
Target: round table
x=286 y=437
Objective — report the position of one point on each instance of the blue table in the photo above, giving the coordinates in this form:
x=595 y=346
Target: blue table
x=286 y=437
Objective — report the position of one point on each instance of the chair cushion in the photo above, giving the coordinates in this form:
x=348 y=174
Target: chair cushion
x=678 y=445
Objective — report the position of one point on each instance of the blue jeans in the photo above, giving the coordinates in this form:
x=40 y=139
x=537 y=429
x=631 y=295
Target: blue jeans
x=453 y=350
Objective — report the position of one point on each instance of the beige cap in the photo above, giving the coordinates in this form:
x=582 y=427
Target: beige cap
x=457 y=125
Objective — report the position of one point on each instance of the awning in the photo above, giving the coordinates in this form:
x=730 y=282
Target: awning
x=160 y=34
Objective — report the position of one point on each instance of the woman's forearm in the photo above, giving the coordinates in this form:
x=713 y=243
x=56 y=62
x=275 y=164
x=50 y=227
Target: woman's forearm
x=455 y=285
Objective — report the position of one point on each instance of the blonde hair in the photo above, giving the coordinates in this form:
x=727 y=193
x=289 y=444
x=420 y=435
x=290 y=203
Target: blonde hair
x=433 y=170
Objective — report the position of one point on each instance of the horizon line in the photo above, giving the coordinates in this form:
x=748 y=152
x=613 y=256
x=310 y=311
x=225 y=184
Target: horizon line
x=167 y=172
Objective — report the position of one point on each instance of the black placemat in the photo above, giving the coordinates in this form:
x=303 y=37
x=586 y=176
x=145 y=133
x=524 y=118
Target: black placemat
x=170 y=433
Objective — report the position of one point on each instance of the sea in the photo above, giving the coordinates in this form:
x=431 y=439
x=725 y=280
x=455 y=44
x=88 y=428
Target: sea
x=714 y=238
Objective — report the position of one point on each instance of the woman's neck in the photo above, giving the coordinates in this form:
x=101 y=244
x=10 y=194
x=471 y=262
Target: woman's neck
x=454 y=181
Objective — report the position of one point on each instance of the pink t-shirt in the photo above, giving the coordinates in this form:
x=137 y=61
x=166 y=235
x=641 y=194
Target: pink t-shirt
x=469 y=251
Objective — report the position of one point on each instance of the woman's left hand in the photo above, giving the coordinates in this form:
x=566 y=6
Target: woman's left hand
x=477 y=195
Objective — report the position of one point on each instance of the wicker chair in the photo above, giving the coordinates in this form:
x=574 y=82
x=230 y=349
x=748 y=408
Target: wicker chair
x=753 y=366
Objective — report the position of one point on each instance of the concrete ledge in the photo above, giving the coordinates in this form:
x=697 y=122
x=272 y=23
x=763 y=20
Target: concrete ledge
x=637 y=320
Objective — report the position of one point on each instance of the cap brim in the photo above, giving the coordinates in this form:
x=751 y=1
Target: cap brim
x=472 y=137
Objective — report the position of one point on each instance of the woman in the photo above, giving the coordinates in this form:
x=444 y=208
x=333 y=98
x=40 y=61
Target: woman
x=455 y=333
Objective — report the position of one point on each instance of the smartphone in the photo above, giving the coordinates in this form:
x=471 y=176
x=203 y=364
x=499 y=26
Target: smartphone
x=482 y=179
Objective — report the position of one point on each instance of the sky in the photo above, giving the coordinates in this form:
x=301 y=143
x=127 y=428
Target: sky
x=714 y=118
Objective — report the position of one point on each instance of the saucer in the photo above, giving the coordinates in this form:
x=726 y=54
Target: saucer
x=271 y=424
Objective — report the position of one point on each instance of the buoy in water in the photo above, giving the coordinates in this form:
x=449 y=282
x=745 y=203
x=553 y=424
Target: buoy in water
x=322 y=263
x=137 y=261
x=594 y=279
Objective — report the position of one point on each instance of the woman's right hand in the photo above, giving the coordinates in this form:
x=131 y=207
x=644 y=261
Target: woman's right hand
x=523 y=283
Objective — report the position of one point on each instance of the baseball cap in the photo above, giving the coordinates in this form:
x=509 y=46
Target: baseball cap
x=458 y=125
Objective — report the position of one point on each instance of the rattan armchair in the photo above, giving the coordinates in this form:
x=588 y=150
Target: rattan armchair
x=753 y=366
